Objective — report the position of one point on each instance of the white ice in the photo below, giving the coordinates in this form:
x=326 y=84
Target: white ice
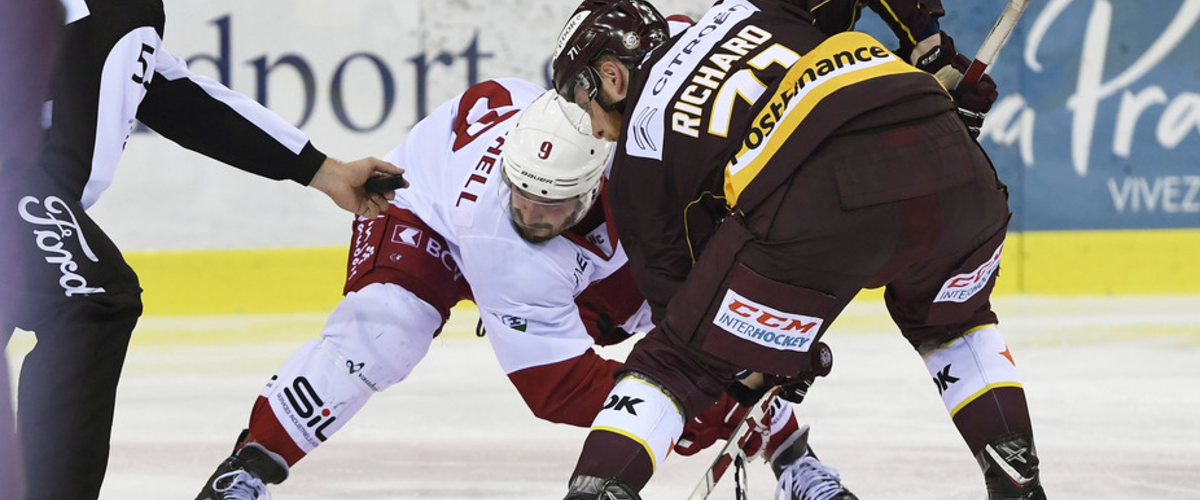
x=1111 y=383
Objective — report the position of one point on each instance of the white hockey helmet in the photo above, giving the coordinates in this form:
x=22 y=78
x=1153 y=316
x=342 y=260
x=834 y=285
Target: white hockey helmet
x=550 y=153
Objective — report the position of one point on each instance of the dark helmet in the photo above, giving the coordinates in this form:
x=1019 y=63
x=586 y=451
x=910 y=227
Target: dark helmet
x=626 y=28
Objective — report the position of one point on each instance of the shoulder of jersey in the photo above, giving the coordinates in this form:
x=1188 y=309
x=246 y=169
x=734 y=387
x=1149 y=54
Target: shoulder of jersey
x=481 y=117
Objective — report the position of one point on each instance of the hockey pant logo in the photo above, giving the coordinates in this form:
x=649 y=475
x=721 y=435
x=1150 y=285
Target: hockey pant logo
x=53 y=241
x=962 y=287
x=764 y=325
x=364 y=248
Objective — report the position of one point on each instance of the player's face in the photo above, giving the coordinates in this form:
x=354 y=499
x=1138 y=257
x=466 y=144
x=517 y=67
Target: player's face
x=605 y=124
x=539 y=219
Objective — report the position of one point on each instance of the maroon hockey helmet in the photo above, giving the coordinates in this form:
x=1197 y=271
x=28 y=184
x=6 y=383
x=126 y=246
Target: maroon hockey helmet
x=627 y=29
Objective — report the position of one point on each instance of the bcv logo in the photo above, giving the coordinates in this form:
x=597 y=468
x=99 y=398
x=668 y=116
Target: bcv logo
x=766 y=326
x=53 y=240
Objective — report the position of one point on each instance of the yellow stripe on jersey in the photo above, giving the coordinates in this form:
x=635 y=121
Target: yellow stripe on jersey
x=911 y=37
x=843 y=60
x=977 y=394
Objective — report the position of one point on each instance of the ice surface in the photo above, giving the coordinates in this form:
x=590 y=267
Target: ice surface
x=1111 y=381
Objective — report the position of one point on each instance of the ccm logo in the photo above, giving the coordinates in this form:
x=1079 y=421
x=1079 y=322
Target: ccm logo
x=766 y=326
x=764 y=317
x=962 y=287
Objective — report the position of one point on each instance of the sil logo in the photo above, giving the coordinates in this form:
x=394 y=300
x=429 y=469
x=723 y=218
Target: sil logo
x=308 y=405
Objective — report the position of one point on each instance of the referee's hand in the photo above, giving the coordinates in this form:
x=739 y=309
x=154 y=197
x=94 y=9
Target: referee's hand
x=344 y=183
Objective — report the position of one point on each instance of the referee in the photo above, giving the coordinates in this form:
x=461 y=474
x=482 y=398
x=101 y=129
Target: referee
x=79 y=296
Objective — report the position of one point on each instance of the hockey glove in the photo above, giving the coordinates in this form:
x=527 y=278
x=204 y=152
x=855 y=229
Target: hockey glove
x=796 y=388
x=719 y=421
x=610 y=332
x=716 y=423
x=792 y=389
x=948 y=66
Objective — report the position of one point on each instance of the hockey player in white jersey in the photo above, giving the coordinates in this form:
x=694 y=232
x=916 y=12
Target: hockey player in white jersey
x=506 y=209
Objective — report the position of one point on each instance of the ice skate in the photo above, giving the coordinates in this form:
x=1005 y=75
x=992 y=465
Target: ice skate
x=245 y=475
x=1010 y=468
x=802 y=476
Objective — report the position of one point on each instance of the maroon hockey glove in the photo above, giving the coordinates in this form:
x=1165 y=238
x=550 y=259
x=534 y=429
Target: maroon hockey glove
x=948 y=66
x=716 y=423
x=719 y=421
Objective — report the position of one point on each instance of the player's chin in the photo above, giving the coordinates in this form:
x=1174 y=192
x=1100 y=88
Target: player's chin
x=537 y=233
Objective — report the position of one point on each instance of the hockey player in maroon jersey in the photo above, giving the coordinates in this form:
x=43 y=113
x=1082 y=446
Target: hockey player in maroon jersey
x=765 y=172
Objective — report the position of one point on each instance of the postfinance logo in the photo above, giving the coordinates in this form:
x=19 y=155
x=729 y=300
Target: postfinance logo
x=841 y=61
x=766 y=326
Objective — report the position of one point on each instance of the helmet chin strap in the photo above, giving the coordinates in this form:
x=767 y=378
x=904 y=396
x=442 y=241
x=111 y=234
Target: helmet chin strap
x=618 y=106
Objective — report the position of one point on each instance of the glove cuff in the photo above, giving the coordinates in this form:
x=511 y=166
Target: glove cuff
x=939 y=56
x=746 y=396
x=949 y=76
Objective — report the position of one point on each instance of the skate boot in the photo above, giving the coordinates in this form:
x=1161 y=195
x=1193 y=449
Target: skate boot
x=245 y=475
x=590 y=487
x=1010 y=468
x=802 y=476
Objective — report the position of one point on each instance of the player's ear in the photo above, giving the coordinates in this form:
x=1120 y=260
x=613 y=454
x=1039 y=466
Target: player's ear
x=614 y=77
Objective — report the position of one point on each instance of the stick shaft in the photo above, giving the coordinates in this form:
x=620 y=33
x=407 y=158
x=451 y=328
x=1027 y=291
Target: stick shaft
x=994 y=41
x=733 y=447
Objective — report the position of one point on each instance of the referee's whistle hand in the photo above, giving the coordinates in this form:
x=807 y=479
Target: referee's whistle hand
x=344 y=183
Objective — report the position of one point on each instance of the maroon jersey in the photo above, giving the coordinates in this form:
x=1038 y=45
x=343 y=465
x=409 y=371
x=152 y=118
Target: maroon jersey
x=910 y=20
x=691 y=105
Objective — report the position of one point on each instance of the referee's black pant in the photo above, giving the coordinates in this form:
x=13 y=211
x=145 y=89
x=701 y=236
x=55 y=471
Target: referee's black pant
x=63 y=278
x=81 y=300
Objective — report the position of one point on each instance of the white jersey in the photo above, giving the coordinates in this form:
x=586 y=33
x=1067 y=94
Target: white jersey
x=524 y=291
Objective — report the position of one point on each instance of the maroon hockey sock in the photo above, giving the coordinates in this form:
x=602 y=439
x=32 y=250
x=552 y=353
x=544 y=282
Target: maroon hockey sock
x=998 y=412
x=608 y=454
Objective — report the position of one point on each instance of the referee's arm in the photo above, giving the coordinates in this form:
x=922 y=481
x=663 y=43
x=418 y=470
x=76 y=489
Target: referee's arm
x=202 y=115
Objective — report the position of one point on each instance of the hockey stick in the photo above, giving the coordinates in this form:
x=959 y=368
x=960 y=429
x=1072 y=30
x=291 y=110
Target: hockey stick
x=733 y=447
x=994 y=41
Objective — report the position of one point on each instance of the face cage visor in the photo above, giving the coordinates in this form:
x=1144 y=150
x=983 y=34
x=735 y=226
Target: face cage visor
x=577 y=205
x=583 y=88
